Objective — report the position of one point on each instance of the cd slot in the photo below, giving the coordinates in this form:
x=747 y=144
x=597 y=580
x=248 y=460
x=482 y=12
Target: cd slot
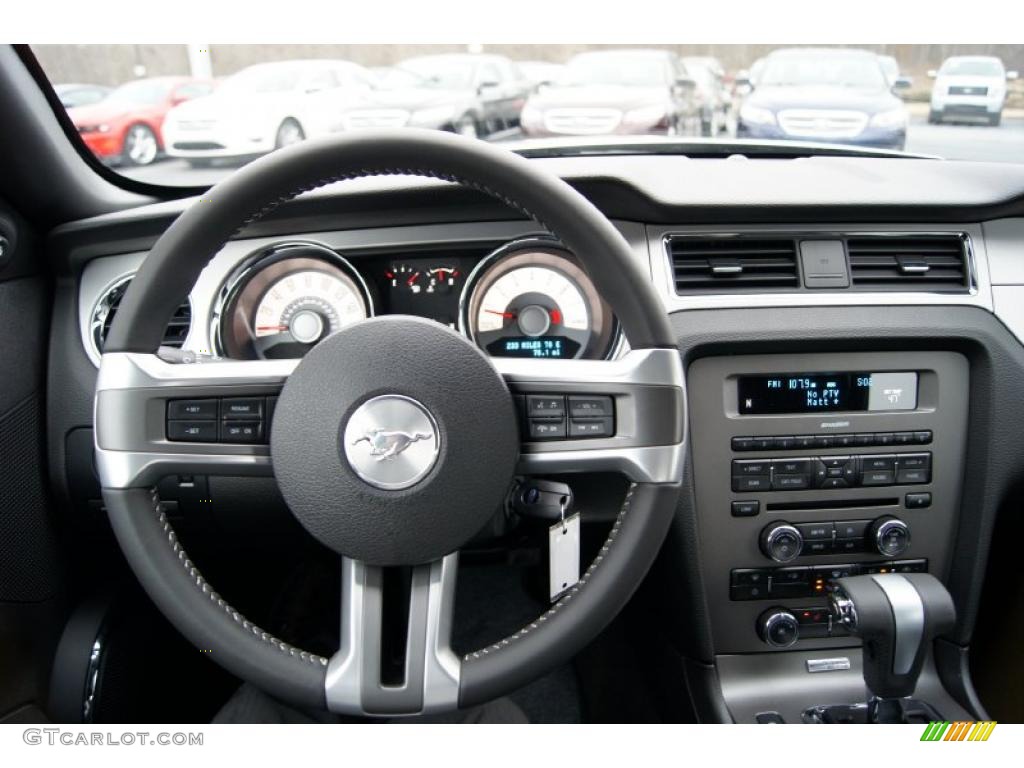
x=822 y=504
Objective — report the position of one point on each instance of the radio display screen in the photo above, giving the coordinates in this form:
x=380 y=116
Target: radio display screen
x=826 y=392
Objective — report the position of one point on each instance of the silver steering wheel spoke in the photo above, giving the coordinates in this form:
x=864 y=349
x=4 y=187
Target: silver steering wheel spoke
x=131 y=417
x=430 y=679
x=645 y=389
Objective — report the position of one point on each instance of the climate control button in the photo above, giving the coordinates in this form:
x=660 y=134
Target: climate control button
x=778 y=628
x=890 y=536
x=781 y=542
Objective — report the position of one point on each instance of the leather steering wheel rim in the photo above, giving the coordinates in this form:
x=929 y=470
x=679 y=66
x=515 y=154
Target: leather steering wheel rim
x=174 y=264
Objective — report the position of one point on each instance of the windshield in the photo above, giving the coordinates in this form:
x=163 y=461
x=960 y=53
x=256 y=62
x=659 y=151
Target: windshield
x=442 y=71
x=262 y=79
x=973 y=67
x=811 y=70
x=141 y=92
x=616 y=69
x=698 y=100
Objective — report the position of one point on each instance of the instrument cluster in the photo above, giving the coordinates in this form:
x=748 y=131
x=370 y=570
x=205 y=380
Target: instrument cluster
x=529 y=298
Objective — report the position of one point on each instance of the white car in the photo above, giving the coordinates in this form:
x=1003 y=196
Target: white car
x=264 y=107
x=969 y=87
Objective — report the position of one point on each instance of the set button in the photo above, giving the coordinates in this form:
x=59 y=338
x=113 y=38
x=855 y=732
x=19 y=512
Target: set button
x=219 y=420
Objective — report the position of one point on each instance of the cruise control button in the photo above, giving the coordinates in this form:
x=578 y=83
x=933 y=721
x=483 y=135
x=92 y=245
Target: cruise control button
x=545 y=406
x=192 y=409
x=241 y=408
x=240 y=431
x=194 y=431
x=547 y=430
x=590 y=406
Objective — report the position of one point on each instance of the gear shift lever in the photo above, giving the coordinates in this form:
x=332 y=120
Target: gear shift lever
x=896 y=616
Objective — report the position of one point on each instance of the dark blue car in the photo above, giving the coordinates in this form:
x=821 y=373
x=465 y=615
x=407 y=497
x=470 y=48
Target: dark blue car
x=819 y=95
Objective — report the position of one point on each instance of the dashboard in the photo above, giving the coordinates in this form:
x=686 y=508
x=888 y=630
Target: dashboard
x=829 y=402
x=527 y=297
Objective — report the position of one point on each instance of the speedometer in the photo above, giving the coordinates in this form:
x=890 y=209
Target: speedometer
x=534 y=300
x=288 y=301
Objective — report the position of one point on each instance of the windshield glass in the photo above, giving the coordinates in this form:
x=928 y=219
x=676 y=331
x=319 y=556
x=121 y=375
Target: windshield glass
x=811 y=70
x=441 y=71
x=208 y=110
x=616 y=69
x=270 y=78
x=973 y=67
x=140 y=92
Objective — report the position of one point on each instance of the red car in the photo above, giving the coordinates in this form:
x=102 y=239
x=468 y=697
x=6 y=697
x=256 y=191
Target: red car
x=126 y=127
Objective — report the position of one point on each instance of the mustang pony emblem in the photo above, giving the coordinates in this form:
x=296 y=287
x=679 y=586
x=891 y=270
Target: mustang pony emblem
x=388 y=443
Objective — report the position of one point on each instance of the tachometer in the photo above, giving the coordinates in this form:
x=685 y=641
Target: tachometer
x=534 y=300
x=288 y=300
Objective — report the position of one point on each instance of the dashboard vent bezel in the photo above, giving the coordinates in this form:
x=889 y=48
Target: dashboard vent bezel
x=854 y=291
x=105 y=308
x=901 y=263
x=726 y=263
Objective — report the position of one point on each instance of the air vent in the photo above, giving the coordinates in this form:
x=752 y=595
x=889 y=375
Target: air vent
x=714 y=264
x=108 y=304
x=909 y=263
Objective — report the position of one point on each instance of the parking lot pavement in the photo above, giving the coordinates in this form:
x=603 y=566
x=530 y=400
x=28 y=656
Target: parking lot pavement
x=968 y=142
x=954 y=142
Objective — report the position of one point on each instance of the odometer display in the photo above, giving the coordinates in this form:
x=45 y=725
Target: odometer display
x=525 y=346
x=538 y=303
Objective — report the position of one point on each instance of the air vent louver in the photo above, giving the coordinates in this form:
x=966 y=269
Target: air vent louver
x=911 y=263
x=174 y=336
x=723 y=264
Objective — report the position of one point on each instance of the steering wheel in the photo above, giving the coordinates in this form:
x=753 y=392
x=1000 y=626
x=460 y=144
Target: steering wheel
x=393 y=442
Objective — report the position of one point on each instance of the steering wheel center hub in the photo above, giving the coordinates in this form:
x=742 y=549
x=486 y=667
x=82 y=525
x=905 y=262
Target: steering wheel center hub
x=391 y=442
x=380 y=436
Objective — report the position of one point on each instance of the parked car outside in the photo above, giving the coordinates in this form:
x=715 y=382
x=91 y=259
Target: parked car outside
x=824 y=95
x=265 y=107
x=493 y=85
x=541 y=72
x=715 y=100
x=402 y=98
x=969 y=87
x=616 y=92
x=80 y=94
x=127 y=126
x=893 y=72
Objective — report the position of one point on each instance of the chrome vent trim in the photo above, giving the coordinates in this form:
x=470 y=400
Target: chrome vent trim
x=934 y=263
x=106 y=307
x=728 y=263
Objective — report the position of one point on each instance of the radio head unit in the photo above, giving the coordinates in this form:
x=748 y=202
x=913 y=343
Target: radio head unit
x=826 y=392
